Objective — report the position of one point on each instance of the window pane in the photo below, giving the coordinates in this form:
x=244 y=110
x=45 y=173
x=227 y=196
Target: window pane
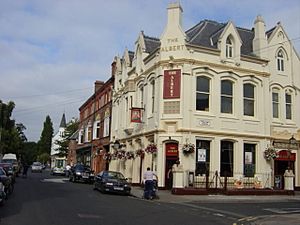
x=202 y=84
x=202 y=157
x=288 y=112
x=248 y=107
x=226 y=87
x=288 y=98
x=249 y=160
x=249 y=90
x=275 y=97
x=275 y=110
x=202 y=102
x=226 y=105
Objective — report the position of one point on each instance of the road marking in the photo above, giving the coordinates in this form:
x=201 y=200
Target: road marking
x=219 y=214
x=89 y=216
x=283 y=210
x=55 y=180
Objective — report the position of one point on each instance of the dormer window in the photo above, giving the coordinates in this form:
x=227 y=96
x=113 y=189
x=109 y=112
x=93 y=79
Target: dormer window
x=229 y=48
x=280 y=61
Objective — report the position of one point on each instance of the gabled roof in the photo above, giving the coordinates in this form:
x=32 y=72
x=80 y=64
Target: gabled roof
x=207 y=33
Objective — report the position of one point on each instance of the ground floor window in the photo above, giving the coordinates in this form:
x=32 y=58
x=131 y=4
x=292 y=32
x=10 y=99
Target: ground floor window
x=249 y=160
x=226 y=159
x=202 y=157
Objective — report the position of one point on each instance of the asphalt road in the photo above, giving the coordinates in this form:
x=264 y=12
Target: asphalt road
x=42 y=199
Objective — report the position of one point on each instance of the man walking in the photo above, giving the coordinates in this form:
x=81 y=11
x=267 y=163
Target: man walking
x=148 y=180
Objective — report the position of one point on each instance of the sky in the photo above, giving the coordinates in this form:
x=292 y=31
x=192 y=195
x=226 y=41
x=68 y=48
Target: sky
x=52 y=51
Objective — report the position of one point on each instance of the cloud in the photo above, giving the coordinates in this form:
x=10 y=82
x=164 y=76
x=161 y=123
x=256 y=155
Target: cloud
x=52 y=51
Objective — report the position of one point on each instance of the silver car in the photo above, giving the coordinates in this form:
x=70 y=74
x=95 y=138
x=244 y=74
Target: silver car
x=37 y=167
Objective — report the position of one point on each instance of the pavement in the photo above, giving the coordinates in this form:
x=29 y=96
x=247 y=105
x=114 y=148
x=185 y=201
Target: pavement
x=288 y=219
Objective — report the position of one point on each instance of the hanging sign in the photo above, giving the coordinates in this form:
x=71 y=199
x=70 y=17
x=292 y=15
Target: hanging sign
x=172 y=84
x=136 y=115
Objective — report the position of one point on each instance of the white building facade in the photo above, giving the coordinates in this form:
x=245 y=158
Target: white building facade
x=228 y=93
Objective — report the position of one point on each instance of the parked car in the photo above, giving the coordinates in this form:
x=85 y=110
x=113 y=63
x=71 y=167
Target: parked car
x=58 y=171
x=81 y=173
x=36 y=167
x=111 y=181
x=12 y=158
x=6 y=181
x=10 y=170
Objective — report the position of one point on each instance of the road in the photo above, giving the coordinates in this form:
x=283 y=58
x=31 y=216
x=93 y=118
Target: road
x=49 y=200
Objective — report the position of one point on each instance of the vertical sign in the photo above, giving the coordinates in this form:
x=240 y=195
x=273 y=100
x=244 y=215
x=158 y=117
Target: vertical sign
x=201 y=155
x=172 y=83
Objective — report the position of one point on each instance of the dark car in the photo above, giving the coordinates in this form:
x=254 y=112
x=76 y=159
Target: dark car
x=111 y=181
x=6 y=181
x=10 y=170
x=81 y=173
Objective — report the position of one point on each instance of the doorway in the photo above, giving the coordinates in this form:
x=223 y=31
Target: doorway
x=171 y=159
x=281 y=164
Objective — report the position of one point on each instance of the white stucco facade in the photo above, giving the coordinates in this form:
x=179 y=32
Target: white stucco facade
x=225 y=102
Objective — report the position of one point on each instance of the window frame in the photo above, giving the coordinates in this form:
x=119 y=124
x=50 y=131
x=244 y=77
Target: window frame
x=229 y=47
x=288 y=106
x=276 y=103
x=224 y=164
x=280 y=56
x=203 y=92
x=226 y=96
x=249 y=99
x=250 y=148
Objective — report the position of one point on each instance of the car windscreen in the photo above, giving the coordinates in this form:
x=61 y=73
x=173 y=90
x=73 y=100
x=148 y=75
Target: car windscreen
x=36 y=164
x=9 y=161
x=82 y=168
x=113 y=175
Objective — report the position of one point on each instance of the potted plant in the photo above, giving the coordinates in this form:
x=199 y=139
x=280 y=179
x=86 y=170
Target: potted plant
x=140 y=153
x=129 y=155
x=188 y=148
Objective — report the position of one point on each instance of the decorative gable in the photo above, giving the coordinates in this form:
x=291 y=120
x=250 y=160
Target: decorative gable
x=230 y=44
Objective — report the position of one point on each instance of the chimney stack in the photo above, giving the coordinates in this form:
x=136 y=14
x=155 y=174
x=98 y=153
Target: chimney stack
x=260 y=39
x=98 y=85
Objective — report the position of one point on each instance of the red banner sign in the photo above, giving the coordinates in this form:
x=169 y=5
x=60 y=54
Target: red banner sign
x=136 y=115
x=172 y=149
x=172 y=83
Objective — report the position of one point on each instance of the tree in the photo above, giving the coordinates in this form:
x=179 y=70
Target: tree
x=29 y=152
x=44 y=144
x=63 y=144
x=12 y=135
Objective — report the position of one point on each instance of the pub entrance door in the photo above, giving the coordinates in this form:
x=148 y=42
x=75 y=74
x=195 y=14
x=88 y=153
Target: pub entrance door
x=284 y=161
x=171 y=158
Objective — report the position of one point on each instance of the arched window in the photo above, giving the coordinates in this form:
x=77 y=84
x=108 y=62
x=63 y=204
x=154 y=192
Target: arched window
x=226 y=96
x=229 y=48
x=152 y=84
x=202 y=93
x=280 y=61
x=249 y=100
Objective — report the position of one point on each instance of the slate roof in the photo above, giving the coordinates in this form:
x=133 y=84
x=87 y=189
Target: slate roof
x=207 y=33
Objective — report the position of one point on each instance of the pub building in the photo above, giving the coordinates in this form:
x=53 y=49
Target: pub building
x=211 y=103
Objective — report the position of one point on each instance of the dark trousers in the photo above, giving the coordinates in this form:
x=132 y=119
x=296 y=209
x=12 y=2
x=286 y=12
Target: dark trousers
x=148 y=189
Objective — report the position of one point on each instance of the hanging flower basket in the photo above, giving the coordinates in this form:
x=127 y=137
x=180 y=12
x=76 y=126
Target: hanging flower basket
x=121 y=154
x=151 y=148
x=130 y=155
x=140 y=153
x=107 y=156
x=270 y=153
x=188 y=148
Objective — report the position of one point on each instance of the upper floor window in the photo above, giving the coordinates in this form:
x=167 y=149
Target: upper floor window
x=142 y=97
x=96 y=133
x=249 y=100
x=229 y=48
x=226 y=96
x=152 y=95
x=202 y=93
x=288 y=106
x=275 y=103
x=280 y=61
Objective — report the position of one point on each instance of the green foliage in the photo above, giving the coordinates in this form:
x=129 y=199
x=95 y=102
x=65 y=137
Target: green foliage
x=44 y=144
x=12 y=135
x=63 y=144
x=29 y=152
x=43 y=158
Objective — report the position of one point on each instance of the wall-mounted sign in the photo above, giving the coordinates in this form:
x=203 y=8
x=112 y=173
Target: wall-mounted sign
x=136 y=115
x=172 y=83
x=172 y=149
